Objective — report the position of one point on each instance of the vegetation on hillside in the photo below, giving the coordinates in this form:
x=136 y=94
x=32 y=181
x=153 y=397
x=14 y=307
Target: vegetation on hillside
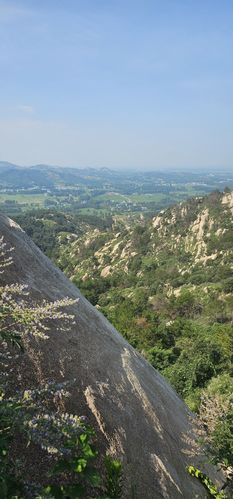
x=166 y=284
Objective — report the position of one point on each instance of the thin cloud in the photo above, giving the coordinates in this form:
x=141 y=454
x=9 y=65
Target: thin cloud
x=11 y=11
x=26 y=109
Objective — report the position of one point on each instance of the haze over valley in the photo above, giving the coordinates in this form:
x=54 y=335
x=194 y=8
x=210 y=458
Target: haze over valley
x=116 y=249
x=102 y=191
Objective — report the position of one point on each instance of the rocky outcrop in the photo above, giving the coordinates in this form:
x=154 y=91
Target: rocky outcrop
x=137 y=415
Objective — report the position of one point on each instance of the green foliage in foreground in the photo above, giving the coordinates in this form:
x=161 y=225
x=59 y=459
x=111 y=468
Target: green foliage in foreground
x=66 y=439
x=207 y=483
x=114 y=479
x=216 y=417
x=32 y=421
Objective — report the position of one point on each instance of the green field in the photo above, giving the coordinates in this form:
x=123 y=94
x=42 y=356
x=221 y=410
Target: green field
x=107 y=203
x=24 y=198
x=94 y=211
x=147 y=198
x=113 y=196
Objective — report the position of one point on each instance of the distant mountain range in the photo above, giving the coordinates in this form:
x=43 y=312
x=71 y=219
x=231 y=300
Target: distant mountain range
x=47 y=176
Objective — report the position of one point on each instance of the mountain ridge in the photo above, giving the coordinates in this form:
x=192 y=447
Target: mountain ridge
x=137 y=415
x=165 y=283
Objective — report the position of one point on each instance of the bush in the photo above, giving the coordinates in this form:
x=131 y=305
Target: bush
x=32 y=420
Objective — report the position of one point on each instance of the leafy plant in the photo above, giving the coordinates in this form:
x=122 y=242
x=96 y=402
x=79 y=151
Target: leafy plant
x=207 y=483
x=34 y=417
x=114 y=478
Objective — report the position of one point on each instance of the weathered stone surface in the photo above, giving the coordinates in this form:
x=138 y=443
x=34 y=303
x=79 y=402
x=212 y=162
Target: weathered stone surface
x=137 y=415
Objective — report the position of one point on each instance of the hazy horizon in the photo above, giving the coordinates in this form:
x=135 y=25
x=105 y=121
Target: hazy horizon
x=165 y=169
x=122 y=85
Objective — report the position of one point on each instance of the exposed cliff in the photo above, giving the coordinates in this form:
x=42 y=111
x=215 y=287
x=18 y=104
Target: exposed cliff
x=137 y=415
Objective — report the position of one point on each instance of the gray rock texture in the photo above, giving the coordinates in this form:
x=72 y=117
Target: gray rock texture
x=136 y=414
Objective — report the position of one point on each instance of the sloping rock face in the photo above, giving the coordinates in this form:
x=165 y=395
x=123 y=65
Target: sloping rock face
x=136 y=414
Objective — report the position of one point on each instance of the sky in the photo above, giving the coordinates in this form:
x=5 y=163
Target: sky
x=144 y=84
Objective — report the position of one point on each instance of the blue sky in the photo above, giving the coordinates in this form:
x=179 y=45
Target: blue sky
x=144 y=83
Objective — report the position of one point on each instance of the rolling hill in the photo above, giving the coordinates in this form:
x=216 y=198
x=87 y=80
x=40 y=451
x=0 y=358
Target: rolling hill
x=138 y=417
x=165 y=283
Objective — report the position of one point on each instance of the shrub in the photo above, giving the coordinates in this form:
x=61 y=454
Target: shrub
x=32 y=420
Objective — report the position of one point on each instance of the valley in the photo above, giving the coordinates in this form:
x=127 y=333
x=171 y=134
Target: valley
x=116 y=250
x=165 y=282
x=101 y=191
x=161 y=272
